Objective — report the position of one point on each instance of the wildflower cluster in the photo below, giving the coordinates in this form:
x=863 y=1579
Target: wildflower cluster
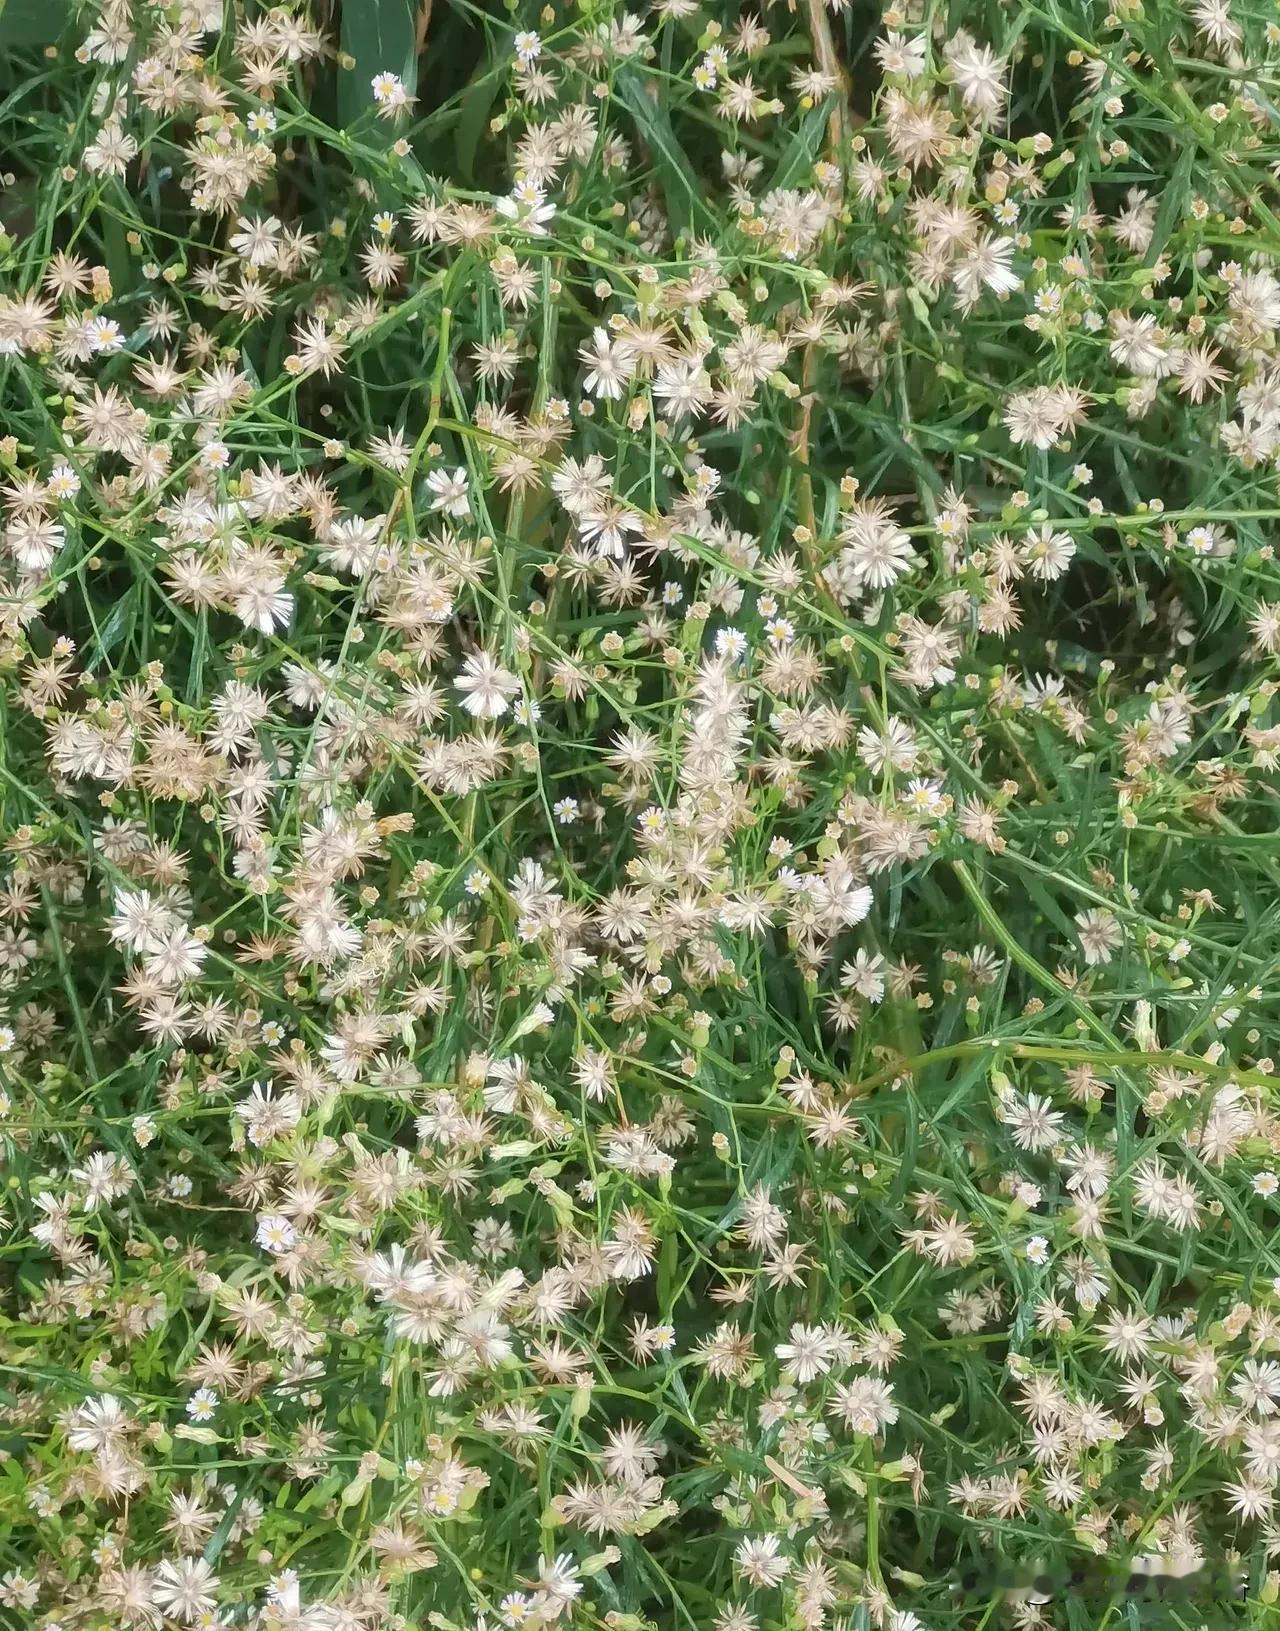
x=639 y=748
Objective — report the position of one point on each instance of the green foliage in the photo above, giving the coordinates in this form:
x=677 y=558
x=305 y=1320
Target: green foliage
x=638 y=783
x=31 y=22
x=376 y=35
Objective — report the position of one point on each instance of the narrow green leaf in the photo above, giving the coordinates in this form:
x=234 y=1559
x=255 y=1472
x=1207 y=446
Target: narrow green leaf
x=477 y=103
x=686 y=205
x=381 y=36
x=803 y=149
x=1173 y=205
x=113 y=632
x=31 y=22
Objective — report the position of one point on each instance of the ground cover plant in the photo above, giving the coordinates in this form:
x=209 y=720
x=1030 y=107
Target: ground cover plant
x=639 y=914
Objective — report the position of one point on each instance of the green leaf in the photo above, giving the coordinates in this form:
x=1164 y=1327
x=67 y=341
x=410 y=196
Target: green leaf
x=683 y=193
x=803 y=148
x=119 y=624
x=218 y=1539
x=1174 y=203
x=31 y=22
x=381 y=35
x=477 y=104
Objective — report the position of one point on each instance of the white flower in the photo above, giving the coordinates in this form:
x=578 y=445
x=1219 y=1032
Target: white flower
x=257 y=240
x=450 y=492
x=683 y=388
x=865 y=1404
x=202 y=1404
x=877 y=551
x=140 y=920
x=1099 y=934
x=109 y=154
x=558 y=1586
x=1140 y=345
x=978 y=74
x=758 y=1561
x=1036 y=1125
x=1035 y=417
x=1048 y=553
x=185 y=1589
x=174 y=955
x=898 y=55
x=486 y=687
x=258 y=595
x=352 y=543
x=97 y=1423
x=606 y=371
x=63 y=482
x=34 y=541
x=809 y=1352
x=275 y=1233
x=388 y=90
x=986 y=265
x=1256 y=299
x=864 y=975
x=606 y=526
x=104 y=334
x=527 y=209
x=891 y=748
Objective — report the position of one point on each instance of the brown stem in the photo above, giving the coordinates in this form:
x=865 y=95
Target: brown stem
x=824 y=48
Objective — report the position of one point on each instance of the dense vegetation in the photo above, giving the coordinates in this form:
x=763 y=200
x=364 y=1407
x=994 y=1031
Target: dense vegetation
x=638 y=814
